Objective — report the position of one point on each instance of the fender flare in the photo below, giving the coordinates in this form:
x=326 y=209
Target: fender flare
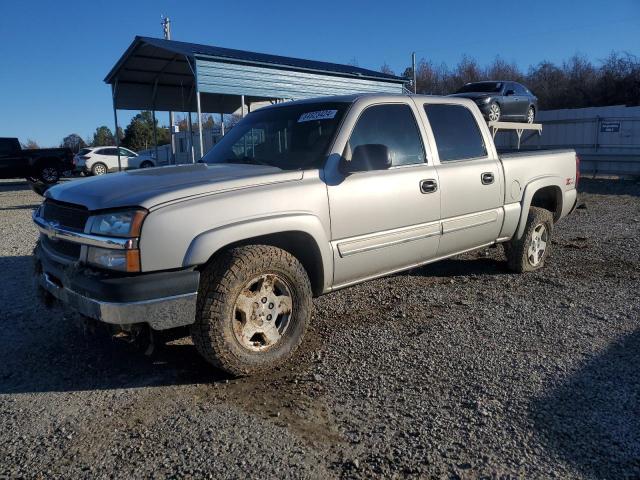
x=206 y=244
x=529 y=191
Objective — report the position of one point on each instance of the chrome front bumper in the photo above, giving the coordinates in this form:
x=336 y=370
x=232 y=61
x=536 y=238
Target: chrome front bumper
x=159 y=313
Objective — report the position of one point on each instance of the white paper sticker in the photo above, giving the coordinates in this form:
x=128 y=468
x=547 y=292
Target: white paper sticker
x=319 y=115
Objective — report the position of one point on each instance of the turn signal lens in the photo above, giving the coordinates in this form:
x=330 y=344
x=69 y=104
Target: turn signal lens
x=120 y=260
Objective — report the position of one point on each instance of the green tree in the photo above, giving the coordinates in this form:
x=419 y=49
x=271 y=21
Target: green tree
x=103 y=136
x=138 y=135
x=73 y=142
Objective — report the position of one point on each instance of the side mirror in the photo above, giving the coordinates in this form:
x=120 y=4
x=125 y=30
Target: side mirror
x=510 y=92
x=372 y=156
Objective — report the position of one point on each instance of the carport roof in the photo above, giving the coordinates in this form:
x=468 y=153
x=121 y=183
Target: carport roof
x=161 y=49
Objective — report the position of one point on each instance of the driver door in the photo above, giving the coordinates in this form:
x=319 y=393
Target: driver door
x=385 y=220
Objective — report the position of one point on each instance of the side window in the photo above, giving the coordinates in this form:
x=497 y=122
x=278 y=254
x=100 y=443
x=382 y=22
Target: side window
x=125 y=153
x=6 y=147
x=520 y=90
x=456 y=132
x=391 y=125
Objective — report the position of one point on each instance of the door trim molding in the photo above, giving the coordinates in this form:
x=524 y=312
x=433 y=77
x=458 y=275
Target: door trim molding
x=375 y=241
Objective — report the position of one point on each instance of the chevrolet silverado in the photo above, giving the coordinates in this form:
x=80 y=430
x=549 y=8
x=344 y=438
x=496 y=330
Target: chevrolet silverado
x=297 y=200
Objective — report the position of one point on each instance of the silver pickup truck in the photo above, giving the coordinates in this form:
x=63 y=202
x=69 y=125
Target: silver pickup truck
x=297 y=200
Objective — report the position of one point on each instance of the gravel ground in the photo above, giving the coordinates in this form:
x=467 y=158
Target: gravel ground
x=455 y=370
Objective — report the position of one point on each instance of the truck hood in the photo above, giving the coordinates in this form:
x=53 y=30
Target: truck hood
x=154 y=186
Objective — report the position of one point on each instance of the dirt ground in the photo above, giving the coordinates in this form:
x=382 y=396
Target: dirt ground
x=455 y=370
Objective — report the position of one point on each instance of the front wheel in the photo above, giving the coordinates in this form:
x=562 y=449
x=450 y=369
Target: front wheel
x=254 y=305
x=146 y=164
x=494 y=112
x=530 y=252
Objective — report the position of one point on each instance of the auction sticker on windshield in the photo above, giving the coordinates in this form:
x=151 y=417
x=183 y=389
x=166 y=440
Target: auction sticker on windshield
x=319 y=115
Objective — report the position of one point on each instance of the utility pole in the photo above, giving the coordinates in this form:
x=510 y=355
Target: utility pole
x=413 y=68
x=166 y=29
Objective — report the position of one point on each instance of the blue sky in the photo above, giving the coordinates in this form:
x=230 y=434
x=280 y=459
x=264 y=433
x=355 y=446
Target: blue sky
x=55 y=54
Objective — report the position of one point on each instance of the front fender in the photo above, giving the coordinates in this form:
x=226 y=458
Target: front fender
x=529 y=191
x=208 y=243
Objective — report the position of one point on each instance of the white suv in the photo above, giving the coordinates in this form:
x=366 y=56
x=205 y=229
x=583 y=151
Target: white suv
x=101 y=160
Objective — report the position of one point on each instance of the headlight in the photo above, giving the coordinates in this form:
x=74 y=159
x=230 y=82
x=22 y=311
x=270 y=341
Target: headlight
x=121 y=260
x=126 y=223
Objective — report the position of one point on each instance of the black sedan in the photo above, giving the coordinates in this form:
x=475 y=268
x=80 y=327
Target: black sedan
x=502 y=100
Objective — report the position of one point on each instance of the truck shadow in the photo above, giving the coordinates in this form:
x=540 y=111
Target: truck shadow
x=46 y=350
x=16 y=186
x=465 y=266
x=593 y=419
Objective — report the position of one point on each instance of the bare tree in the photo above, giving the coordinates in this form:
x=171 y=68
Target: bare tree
x=30 y=143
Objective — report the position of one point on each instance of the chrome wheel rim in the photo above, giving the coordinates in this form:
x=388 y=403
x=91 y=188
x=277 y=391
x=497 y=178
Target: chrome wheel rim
x=49 y=174
x=99 y=170
x=538 y=245
x=530 y=116
x=494 y=112
x=262 y=312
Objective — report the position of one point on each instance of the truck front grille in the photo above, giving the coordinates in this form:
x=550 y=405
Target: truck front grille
x=69 y=216
x=68 y=250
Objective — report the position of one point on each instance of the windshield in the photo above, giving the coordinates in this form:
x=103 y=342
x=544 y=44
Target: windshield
x=481 y=87
x=289 y=137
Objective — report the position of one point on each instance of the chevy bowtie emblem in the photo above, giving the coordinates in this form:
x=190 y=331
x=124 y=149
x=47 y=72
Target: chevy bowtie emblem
x=51 y=228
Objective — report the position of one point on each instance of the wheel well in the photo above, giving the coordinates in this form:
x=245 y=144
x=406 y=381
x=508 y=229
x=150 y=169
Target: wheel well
x=299 y=244
x=549 y=198
x=43 y=162
x=144 y=162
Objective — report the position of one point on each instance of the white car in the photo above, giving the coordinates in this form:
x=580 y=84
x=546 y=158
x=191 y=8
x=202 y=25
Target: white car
x=102 y=160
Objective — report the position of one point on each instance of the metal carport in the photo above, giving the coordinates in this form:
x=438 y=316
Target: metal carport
x=168 y=75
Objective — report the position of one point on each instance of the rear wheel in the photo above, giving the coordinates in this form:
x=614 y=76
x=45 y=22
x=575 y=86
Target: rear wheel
x=49 y=174
x=99 y=169
x=531 y=115
x=494 y=112
x=254 y=305
x=530 y=252
x=146 y=164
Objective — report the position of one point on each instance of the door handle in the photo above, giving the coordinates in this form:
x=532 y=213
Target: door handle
x=487 y=178
x=428 y=186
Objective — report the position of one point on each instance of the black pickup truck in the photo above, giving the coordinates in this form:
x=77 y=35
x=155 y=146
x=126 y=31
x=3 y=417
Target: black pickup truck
x=40 y=165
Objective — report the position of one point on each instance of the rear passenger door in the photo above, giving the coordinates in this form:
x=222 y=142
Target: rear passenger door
x=509 y=101
x=521 y=102
x=470 y=179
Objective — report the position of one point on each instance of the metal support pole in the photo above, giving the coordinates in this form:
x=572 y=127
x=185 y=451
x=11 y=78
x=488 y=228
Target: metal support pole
x=222 y=124
x=190 y=124
x=166 y=29
x=155 y=134
x=114 y=89
x=413 y=62
x=200 y=124
x=242 y=100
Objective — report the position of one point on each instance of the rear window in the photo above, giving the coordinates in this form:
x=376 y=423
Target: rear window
x=481 y=87
x=456 y=132
x=84 y=151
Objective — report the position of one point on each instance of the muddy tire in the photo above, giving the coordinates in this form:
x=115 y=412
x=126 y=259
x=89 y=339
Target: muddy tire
x=530 y=252
x=254 y=306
